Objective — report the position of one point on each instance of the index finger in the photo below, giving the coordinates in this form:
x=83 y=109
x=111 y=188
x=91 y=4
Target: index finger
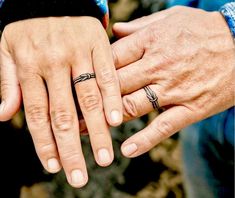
x=128 y=49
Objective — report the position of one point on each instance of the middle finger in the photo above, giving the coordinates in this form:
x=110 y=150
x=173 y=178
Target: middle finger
x=65 y=125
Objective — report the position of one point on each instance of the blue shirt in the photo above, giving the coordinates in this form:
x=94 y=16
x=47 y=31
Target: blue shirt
x=209 y=5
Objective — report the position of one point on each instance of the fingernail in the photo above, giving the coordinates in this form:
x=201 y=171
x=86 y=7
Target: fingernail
x=104 y=157
x=115 y=117
x=129 y=149
x=53 y=165
x=77 y=178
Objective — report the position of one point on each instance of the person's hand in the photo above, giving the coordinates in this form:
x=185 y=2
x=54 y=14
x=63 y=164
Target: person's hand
x=187 y=57
x=38 y=57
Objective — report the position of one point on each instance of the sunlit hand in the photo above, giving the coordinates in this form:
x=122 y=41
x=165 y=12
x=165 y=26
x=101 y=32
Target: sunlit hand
x=187 y=58
x=39 y=57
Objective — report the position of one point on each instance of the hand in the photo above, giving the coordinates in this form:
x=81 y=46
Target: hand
x=187 y=57
x=38 y=57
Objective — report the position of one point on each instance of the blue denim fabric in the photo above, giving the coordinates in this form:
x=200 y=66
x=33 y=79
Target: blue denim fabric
x=208 y=157
x=208 y=146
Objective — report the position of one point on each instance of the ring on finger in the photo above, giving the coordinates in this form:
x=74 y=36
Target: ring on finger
x=83 y=77
x=151 y=95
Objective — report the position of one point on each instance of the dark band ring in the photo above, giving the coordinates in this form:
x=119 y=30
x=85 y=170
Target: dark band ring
x=153 y=99
x=83 y=77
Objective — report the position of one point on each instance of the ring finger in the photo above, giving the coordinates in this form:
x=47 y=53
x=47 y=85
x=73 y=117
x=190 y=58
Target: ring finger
x=90 y=101
x=144 y=101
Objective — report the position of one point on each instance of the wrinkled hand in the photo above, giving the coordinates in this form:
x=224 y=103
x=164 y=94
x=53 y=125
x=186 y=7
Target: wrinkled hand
x=187 y=57
x=39 y=57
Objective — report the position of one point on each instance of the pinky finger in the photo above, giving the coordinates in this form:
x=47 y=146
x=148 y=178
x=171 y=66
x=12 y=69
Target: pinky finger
x=162 y=127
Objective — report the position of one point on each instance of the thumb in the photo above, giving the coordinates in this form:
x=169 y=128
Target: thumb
x=10 y=89
x=124 y=29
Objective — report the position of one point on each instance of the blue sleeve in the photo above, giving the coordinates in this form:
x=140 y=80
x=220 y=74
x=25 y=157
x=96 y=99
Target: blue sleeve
x=228 y=11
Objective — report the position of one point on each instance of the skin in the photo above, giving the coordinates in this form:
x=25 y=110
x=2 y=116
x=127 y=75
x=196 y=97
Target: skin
x=38 y=59
x=187 y=57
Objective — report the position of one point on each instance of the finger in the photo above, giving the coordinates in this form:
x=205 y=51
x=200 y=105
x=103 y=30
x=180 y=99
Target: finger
x=138 y=104
x=10 y=89
x=90 y=101
x=107 y=80
x=65 y=126
x=124 y=29
x=142 y=73
x=134 y=76
x=36 y=110
x=128 y=49
x=165 y=125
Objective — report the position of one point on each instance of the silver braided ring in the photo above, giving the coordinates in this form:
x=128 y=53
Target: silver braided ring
x=153 y=99
x=83 y=77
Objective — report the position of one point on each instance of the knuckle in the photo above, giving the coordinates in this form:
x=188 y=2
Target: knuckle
x=99 y=134
x=137 y=44
x=27 y=67
x=107 y=78
x=45 y=149
x=62 y=120
x=153 y=35
x=115 y=55
x=90 y=102
x=148 y=142
x=27 y=75
x=37 y=115
x=165 y=128
x=68 y=156
x=122 y=82
x=130 y=109
x=55 y=57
